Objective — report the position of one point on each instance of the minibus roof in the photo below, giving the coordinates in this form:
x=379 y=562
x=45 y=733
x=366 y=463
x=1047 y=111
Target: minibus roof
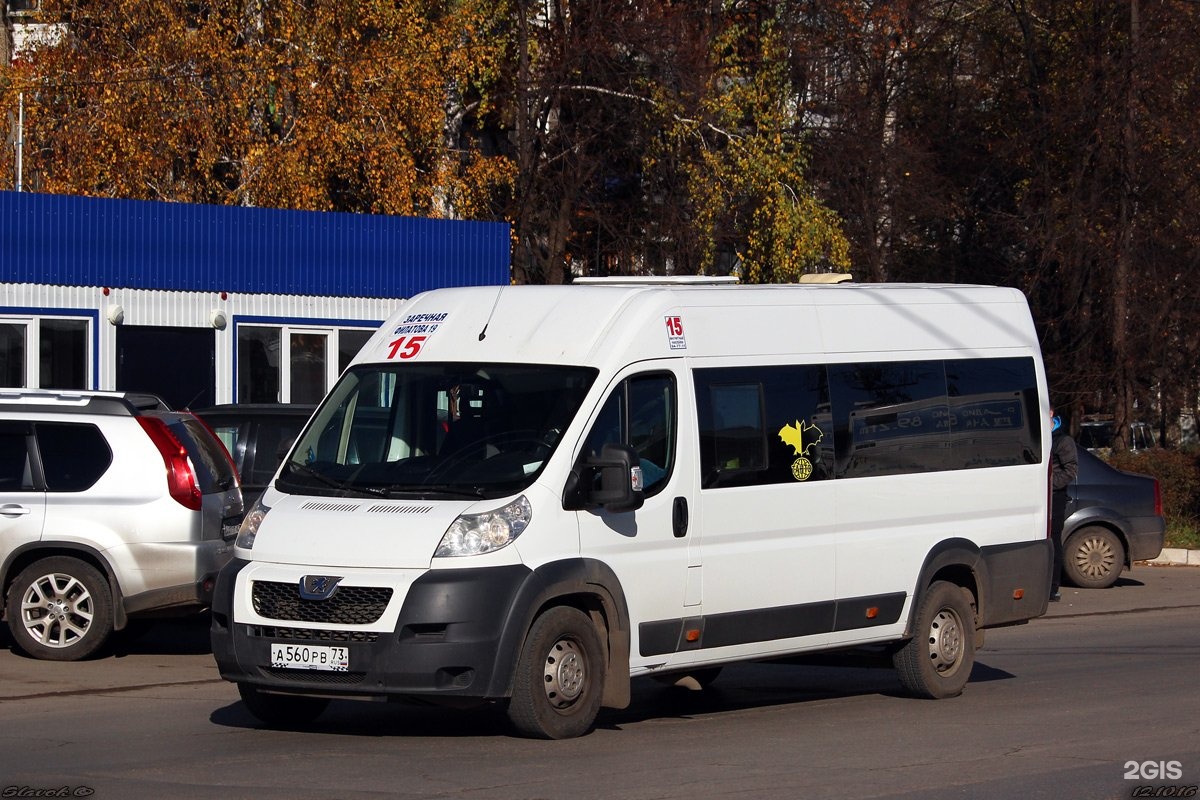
x=626 y=322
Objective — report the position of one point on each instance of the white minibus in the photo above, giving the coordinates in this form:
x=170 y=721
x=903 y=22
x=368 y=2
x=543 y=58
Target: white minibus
x=530 y=495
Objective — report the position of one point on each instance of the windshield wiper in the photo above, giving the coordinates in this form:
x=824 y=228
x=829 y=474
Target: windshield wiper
x=332 y=483
x=453 y=490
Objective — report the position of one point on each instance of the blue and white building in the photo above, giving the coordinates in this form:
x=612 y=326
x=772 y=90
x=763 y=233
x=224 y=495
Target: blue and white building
x=212 y=304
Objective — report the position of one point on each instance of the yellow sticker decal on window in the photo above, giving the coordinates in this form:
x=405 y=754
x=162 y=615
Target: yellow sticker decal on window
x=802 y=438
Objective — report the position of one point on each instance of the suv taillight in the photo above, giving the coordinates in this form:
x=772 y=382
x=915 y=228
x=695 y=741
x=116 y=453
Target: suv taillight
x=1158 y=509
x=181 y=477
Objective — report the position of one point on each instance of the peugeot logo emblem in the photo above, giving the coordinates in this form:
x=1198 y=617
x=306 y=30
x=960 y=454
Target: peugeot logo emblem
x=319 y=587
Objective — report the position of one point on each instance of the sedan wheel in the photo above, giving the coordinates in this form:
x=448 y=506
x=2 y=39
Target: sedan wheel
x=1093 y=557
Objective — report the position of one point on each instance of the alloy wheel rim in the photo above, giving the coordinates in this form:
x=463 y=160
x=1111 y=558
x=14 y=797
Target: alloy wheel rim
x=57 y=610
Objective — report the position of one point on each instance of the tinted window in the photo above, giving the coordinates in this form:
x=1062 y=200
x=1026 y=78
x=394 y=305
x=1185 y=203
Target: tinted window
x=784 y=424
x=214 y=472
x=233 y=435
x=762 y=425
x=349 y=343
x=993 y=412
x=892 y=417
x=273 y=440
x=73 y=456
x=15 y=467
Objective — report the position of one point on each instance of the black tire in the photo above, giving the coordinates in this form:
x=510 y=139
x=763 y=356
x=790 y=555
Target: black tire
x=1093 y=557
x=60 y=609
x=696 y=680
x=284 y=710
x=560 y=677
x=937 y=661
x=706 y=676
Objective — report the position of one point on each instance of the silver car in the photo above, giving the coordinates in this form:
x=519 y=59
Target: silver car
x=110 y=508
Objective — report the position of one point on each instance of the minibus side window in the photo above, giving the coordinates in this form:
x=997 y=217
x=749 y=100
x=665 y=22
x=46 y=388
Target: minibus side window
x=764 y=425
x=892 y=418
x=994 y=413
x=640 y=412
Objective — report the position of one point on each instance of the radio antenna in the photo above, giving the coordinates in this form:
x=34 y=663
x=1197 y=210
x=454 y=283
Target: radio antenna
x=496 y=302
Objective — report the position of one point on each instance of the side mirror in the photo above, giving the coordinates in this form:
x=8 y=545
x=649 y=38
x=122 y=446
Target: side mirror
x=614 y=480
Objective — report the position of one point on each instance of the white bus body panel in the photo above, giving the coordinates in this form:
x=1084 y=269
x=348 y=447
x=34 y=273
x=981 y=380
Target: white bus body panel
x=744 y=549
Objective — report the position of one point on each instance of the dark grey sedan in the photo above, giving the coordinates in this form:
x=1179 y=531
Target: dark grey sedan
x=258 y=436
x=1113 y=519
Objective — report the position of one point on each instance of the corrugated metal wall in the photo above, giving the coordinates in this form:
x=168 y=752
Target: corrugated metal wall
x=80 y=241
x=185 y=310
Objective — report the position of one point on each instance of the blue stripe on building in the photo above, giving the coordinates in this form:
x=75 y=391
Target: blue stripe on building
x=138 y=244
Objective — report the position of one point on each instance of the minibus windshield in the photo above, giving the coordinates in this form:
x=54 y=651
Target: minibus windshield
x=435 y=430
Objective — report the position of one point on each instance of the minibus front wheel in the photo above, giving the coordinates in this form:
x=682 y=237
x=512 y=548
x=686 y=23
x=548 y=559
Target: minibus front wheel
x=559 y=679
x=937 y=661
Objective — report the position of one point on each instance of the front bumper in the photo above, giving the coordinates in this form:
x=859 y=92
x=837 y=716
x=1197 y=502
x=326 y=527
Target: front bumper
x=452 y=639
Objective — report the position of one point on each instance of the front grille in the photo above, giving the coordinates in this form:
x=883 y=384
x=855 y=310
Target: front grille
x=314 y=634
x=350 y=605
x=315 y=676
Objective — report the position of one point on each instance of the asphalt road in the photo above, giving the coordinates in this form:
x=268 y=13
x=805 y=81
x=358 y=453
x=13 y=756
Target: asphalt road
x=1073 y=705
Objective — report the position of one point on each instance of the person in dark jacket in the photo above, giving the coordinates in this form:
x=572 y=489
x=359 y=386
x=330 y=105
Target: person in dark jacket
x=1064 y=467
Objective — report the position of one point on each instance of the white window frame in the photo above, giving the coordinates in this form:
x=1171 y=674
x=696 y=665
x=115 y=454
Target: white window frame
x=32 y=323
x=286 y=330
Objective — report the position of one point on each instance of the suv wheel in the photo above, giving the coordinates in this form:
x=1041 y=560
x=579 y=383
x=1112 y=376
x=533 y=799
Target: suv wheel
x=1093 y=557
x=60 y=609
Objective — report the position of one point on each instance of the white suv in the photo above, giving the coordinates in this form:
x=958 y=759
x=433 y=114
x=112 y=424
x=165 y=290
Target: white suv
x=110 y=507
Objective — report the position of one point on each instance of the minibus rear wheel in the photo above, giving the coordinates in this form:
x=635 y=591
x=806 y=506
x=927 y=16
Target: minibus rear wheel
x=937 y=661
x=560 y=675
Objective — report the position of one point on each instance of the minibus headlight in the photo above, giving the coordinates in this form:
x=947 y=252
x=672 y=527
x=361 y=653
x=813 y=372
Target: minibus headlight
x=474 y=534
x=250 y=523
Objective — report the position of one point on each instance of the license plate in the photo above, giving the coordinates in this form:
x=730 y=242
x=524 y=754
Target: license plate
x=307 y=656
x=230 y=528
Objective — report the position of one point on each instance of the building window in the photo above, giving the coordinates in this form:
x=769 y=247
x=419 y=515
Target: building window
x=308 y=360
x=63 y=346
x=258 y=364
x=349 y=343
x=12 y=354
x=45 y=352
x=292 y=364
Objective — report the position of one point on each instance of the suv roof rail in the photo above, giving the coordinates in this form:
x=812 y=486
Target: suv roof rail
x=70 y=401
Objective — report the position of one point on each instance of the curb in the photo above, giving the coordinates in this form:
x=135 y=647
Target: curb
x=1176 y=556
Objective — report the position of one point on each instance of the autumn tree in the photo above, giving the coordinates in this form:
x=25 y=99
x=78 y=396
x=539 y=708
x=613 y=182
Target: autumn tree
x=1030 y=143
x=662 y=137
x=315 y=104
x=748 y=172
